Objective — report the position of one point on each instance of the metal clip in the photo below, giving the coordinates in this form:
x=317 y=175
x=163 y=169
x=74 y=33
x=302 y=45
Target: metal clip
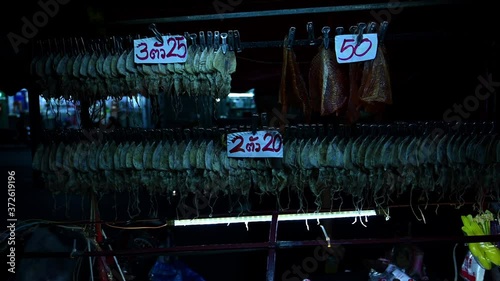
x=203 y=43
x=382 y=31
x=237 y=43
x=372 y=27
x=157 y=34
x=263 y=119
x=361 y=29
x=193 y=37
x=255 y=123
x=216 y=40
x=210 y=39
x=291 y=37
x=310 y=32
x=186 y=35
x=339 y=30
x=230 y=40
x=326 y=41
x=353 y=29
x=223 y=36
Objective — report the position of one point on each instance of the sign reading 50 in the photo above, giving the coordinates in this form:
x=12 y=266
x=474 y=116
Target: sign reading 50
x=348 y=50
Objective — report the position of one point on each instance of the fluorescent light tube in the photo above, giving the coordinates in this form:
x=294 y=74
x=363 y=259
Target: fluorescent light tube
x=241 y=95
x=268 y=218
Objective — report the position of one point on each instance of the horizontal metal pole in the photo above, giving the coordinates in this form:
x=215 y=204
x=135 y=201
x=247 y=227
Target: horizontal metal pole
x=287 y=12
x=243 y=247
x=307 y=43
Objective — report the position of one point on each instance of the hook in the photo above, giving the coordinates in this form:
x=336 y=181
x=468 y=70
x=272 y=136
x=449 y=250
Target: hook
x=326 y=41
x=310 y=32
x=157 y=34
x=326 y=236
x=74 y=251
x=361 y=29
x=291 y=37
x=237 y=45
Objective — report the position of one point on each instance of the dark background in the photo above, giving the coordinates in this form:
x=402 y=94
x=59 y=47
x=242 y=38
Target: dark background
x=435 y=55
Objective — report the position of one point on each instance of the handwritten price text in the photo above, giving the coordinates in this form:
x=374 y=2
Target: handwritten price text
x=348 y=50
x=262 y=144
x=150 y=50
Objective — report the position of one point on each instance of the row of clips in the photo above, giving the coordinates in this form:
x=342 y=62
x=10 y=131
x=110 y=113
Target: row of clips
x=359 y=29
x=227 y=41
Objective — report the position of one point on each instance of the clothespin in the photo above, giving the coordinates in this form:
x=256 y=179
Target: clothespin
x=230 y=40
x=203 y=42
x=216 y=40
x=339 y=30
x=193 y=37
x=382 y=31
x=263 y=120
x=310 y=32
x=326 y=40
x=210 y=39
x=255 y=121
x=353 y=29
x=237 y=41
x=372 y=27
x=223 y=36
x=157 y=34
x=361 y=29
x=291 y=37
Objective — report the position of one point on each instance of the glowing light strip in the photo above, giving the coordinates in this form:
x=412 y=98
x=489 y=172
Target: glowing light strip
x=268 y=218
x=241 y=95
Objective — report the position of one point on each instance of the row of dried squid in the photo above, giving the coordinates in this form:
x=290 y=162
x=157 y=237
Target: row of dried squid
x=96 y=72
x=367 y=166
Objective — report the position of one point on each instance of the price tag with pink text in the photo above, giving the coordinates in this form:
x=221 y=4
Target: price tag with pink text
x=150 y=50
x=347 y=50
x=264 y=144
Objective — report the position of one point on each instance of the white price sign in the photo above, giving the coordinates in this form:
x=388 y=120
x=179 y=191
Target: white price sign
x=348 y=51
x=264 y=144
x=150 y=50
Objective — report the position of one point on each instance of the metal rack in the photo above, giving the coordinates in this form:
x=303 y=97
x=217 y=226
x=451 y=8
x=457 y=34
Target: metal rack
x=288 y=12
x=271 y=246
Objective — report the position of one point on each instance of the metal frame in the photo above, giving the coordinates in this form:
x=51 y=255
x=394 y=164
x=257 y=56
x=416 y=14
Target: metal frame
x=287 y=12
x=271 y=246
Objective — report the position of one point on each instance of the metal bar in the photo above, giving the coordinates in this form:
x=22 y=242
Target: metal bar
x=242 y=247
x=317 y=42
x=287 y=12
x=271 y=254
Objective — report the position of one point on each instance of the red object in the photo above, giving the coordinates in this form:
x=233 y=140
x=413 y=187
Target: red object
x=103 y=269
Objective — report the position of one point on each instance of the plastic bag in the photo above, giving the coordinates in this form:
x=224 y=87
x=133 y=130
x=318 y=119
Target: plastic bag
x=173 y=271
x=471 y=270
